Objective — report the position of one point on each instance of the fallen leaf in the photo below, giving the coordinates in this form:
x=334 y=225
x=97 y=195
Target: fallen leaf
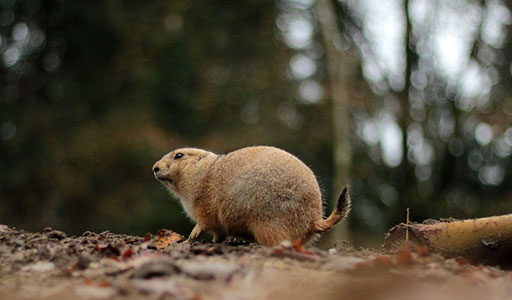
x=128 y=253
x=404 y=256
x=461 y=261
x=147 y=237
x=103 y=283
x=297 y=246
x=278 y=251
x=166 y=237
x=422 y=250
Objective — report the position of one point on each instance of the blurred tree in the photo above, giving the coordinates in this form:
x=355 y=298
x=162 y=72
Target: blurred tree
x=435 y=142
x=341 y=65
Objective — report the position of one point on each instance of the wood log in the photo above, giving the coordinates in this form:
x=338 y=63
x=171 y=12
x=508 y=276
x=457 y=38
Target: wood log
x=480 y=241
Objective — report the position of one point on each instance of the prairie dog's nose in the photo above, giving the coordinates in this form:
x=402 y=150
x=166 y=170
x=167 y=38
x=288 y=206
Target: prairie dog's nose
x=161 y=171
x=156 y=167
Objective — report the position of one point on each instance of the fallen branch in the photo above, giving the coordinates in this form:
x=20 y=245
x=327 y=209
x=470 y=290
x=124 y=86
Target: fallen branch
x=480 y=241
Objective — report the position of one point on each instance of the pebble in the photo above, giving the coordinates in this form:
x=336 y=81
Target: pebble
x=42 y=266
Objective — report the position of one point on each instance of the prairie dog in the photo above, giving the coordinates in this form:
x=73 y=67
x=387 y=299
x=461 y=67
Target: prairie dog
x=258 y=192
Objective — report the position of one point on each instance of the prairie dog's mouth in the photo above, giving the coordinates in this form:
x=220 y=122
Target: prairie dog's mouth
x=162 y=177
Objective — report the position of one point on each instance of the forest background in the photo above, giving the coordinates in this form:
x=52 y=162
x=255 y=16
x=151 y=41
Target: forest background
x=409 y=102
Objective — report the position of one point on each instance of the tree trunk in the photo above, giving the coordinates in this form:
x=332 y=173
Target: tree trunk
x=407 y=184
x=342 y=65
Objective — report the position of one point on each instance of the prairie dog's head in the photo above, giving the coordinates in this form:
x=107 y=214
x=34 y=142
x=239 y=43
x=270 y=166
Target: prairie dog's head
x=182 y=168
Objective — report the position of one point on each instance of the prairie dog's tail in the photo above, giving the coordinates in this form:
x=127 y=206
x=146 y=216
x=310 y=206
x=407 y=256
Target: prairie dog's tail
x=340 y=211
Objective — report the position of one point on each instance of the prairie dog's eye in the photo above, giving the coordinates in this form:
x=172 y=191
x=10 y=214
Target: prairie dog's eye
x=178 y=155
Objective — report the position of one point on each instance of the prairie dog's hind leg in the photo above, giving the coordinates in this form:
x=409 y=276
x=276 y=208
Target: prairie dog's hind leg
x=269 y=235
x=217 y=238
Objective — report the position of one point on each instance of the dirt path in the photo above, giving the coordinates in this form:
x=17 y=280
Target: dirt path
x=51 y=265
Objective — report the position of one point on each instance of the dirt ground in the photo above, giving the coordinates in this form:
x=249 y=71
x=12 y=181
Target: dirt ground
x=51 y=265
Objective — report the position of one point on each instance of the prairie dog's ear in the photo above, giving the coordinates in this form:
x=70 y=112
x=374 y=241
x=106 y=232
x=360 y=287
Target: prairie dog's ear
x=199 y=157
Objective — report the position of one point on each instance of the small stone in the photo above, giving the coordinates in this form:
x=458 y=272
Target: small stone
x=94 y=265
x=156 y=269
x=42 y=266
x=83 y=262
x=56 y=234
x=4 y=228
x=490 y=243
x=286 y=244
x=211 y=270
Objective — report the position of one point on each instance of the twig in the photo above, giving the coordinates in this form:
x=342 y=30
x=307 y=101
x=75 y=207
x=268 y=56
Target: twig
x=407 y=228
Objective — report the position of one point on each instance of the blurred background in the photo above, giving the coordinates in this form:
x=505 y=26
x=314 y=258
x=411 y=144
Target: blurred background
x=409 y=101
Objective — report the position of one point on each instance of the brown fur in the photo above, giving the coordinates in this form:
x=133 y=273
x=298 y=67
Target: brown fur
x=261 y=192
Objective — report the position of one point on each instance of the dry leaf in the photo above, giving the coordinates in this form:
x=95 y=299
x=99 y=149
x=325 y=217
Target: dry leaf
x=166 y=237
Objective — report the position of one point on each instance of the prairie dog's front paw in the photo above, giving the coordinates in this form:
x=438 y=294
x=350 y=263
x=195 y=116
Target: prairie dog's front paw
x=196 y=232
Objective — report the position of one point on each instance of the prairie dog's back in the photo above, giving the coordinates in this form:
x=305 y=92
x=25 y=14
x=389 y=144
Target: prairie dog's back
x=264 y=183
